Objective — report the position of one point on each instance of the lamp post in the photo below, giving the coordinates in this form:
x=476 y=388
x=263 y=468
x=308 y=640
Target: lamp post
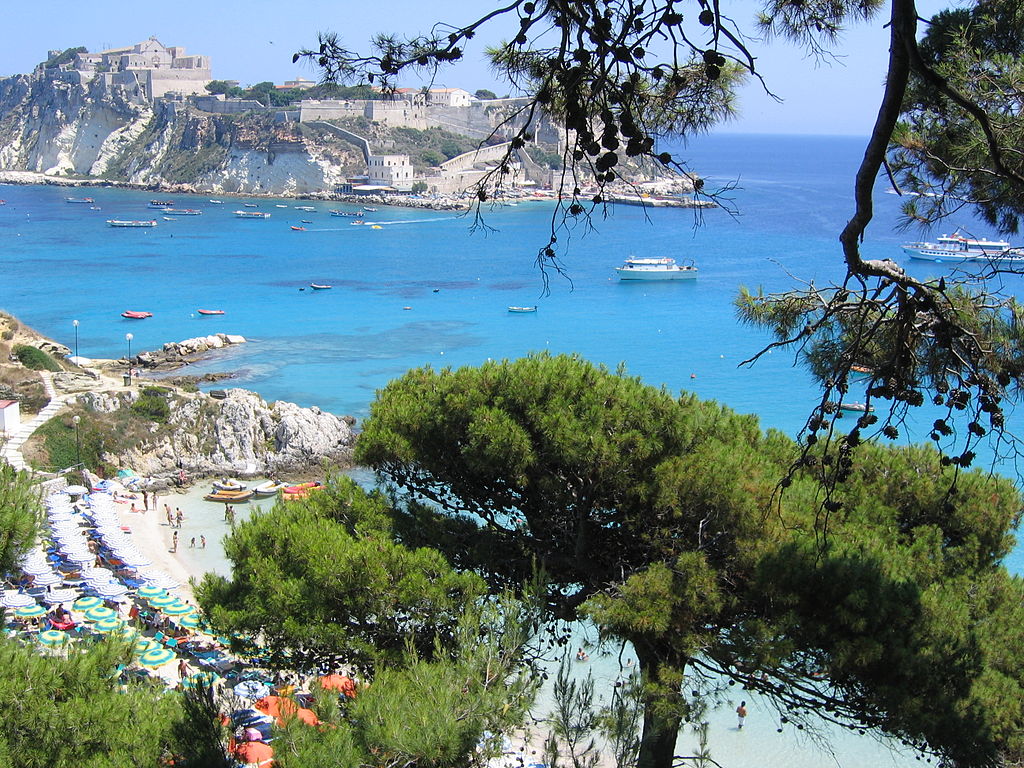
x=75 y=323
x=128 y=337
x=78 y=442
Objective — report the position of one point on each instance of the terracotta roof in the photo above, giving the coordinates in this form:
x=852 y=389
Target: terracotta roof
x=5 y=403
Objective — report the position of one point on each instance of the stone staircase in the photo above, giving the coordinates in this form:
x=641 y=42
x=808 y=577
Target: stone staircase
x=11 y=451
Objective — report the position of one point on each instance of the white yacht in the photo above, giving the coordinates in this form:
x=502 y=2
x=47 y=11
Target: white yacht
x=655 y=269
x=956 y=247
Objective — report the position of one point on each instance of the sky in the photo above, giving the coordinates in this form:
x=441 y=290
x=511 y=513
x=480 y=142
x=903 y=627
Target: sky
x=253 y=41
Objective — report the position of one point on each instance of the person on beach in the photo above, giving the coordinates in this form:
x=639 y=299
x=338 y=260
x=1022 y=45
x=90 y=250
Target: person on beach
x=170 y=516
x=202 y=541
x=133 y=509
x=179 y=515
x=741 y=714
x=174 y=542
x=192 y=544
x=182 y=669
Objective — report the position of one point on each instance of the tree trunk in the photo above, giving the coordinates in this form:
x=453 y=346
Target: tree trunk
x=663 y=709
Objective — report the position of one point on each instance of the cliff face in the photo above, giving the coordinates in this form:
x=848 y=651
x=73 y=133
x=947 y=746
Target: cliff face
x=238 y=435
x=60 y=128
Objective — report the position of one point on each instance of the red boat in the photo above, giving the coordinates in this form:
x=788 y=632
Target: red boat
x=210 y=311
x=132 y=315
x=299 y=229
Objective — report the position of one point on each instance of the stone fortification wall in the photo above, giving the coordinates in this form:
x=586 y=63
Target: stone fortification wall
x=218 y=106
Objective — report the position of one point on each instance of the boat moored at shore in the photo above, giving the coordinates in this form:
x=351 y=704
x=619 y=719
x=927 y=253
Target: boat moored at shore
x=655 y=269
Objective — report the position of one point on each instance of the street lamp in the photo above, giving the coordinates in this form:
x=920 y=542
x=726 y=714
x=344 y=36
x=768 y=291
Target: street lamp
x=75 y=323
x=128 y=337
x=78 y=442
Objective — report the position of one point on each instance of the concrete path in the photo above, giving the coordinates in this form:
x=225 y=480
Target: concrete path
x=11 y=451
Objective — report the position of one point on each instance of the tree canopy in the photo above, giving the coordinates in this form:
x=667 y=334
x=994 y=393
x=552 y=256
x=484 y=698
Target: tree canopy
x=617 y=77
x=659 y=518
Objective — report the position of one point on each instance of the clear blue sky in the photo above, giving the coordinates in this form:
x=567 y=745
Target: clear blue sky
x=253 y=41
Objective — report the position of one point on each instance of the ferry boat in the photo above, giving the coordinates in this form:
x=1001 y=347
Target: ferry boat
x=956 y=247
x=181 y=211
x=252 y=215
x=161 y=203
x=655 y=269
x=88 y=200
x=119 y=223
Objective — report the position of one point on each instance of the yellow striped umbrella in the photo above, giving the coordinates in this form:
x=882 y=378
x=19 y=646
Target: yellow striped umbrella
x=110 y=624
x=53 y=637
x=178 y=609
x=99 y=613
x=144 y=644
x=87 y=602
x=162 y=600
x=156 y=657
x=148 y=592
x=33 y=611
x=188 y=621
x=203 y=678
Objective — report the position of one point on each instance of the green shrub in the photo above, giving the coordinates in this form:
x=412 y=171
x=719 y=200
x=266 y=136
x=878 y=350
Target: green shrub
x=152 y=405
x=35 y=359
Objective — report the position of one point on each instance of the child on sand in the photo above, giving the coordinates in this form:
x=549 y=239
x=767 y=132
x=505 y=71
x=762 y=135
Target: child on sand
x=202 y=541
x=741 y=713
x=174 y=542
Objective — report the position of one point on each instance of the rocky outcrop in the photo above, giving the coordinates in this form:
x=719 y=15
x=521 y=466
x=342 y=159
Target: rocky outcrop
x=240 y=435
x=177 y=353
x=98 y=130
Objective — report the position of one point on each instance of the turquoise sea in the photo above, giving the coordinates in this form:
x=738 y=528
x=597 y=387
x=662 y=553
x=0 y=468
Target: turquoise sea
x=424 y=289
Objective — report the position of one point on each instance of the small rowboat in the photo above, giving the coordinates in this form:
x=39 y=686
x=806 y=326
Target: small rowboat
x=522 y=309
x=229 y=496
x=318 y=287
x=269 y=488
x=226 y=484
x=210 y=311
x=298 y=229
x=133 y=315
x=300 y=491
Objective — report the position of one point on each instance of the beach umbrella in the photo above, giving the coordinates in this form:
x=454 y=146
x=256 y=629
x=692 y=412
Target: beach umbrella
x=177 y=609
x=251 y=689
x=143 y=644
x=188 y=621
x=76 y=490
x=342 y=683
x=12 y=599
x=275 y=706
x=33 y=611
x=53 y=637
x=47 y=579
x=308 y=716
x=58 y=596
x=163 y=600
x=87 y=603
x=111 y=624
x=254 y=752
x=128 y=632
x=99 y=613
x=156 y=657
x=203 y=678
x=111 y=590
x=148 y=592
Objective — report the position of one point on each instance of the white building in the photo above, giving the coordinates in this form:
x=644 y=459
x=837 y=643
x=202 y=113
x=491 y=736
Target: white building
x=449 y=97
x=390 y=170
x=10 y=416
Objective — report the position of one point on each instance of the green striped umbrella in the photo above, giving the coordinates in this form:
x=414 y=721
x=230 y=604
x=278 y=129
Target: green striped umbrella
x=178 y=609
x=30 y=611
x=156 y=657
x=85 y=603
x=144 y=644
x=99 y=613
x=53 y=637
x=110 y=624
x=188 y=621
x=203 y=678
x=162 y=600
x=148 y=592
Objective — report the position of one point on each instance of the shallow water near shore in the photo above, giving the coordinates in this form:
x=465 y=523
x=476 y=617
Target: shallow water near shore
x=424 y=290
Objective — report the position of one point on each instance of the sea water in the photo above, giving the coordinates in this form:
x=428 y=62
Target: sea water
x=424 y=289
